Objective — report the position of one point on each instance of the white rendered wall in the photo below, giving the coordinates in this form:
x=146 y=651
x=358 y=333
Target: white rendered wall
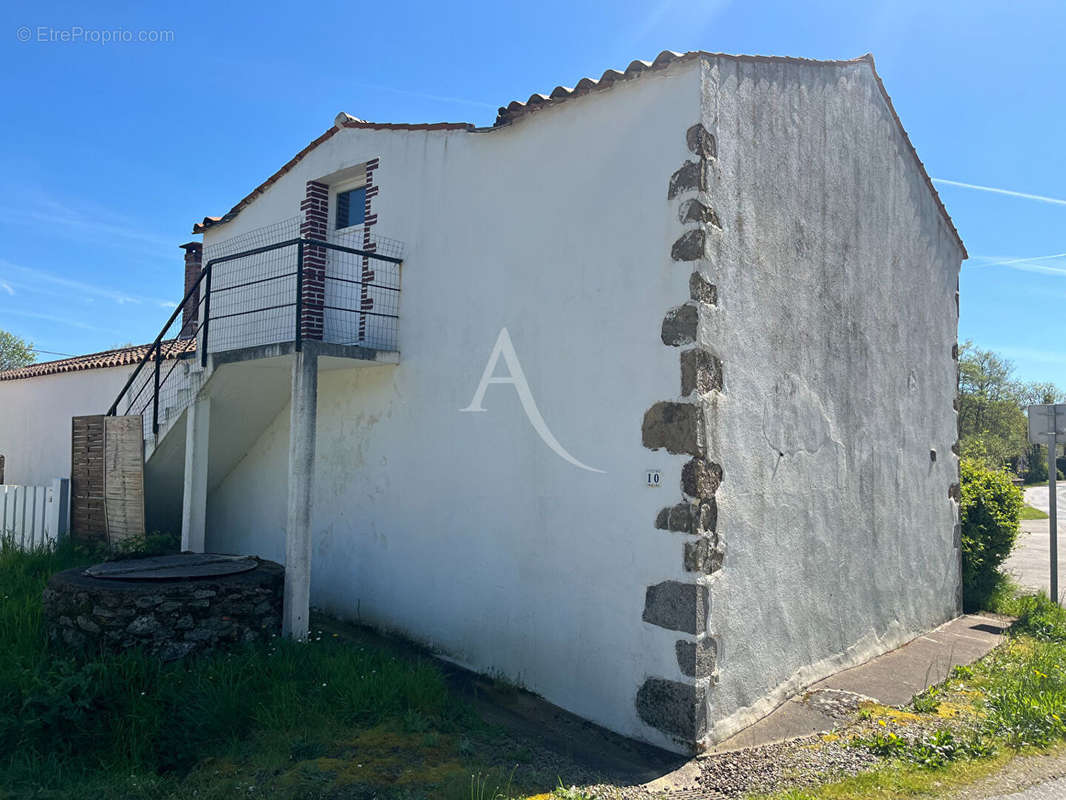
x=35 y=416
x=836 y=278
x=835 y=324
x=464 y=530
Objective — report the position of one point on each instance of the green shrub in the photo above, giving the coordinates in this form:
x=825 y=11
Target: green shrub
x=154 y=543
x=1037 y=472
x=990 y=511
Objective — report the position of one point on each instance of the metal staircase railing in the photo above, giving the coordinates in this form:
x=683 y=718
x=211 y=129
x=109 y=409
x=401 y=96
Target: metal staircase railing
x=288 y=291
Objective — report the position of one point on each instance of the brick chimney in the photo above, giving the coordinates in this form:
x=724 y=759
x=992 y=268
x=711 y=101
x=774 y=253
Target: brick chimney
x=194 y=256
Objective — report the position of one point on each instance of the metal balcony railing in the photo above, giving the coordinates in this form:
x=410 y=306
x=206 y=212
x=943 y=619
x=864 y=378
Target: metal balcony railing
x=293 y=290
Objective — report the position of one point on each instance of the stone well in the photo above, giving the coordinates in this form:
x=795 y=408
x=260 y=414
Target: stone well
x=171 y=606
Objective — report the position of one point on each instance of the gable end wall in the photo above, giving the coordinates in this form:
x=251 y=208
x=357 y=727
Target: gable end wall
x=836 y=281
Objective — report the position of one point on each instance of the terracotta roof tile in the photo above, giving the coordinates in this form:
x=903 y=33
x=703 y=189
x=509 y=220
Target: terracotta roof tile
x=124 y=356
x=518 y=108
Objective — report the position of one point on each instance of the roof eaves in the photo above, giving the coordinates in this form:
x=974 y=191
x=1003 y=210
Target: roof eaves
x=517 y=109
x=106 y=359
x=349 y=122
x=210 y=222
x=869 y=59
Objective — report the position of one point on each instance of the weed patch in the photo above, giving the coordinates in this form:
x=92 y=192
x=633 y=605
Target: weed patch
x=69 y=725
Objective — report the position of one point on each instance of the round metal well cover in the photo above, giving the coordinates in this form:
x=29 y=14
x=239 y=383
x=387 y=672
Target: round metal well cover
x=175 y=567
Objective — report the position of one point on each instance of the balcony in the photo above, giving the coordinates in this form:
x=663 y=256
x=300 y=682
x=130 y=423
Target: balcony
x=265 y=295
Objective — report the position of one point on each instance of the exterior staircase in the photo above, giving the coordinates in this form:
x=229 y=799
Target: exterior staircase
x=249 y=320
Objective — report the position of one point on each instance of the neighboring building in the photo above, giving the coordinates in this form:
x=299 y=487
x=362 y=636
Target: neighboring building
x=38 y=401
x=721 y=293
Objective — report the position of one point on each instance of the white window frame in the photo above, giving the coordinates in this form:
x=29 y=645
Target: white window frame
x=340 y=188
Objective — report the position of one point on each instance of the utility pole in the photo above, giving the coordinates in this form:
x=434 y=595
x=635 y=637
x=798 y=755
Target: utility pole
x=1046 y=424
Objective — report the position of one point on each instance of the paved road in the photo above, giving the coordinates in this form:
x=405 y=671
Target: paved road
x=1052 y=790
x=1037 y=497
x=1029 y=564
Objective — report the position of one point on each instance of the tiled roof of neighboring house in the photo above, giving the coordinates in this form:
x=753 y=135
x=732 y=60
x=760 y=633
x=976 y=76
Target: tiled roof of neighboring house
x=516 y=109
x=123 y=356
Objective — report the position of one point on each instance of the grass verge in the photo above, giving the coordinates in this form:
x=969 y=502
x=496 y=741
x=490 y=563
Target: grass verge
x=328 y=718
x=1028 y=512
x=1012 y=701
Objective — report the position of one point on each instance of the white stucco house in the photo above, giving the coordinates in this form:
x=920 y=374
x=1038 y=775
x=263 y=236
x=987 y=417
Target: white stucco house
x=641 y=397
x=38 y=401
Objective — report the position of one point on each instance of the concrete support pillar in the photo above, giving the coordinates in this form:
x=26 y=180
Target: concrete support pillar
x=296 y=612
x=194 y=496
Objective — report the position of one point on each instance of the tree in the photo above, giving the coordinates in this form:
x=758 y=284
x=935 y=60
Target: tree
x=992 y=425
x=1044 y=393
x=993 y=429
x=1039 y=394
x=14 y=352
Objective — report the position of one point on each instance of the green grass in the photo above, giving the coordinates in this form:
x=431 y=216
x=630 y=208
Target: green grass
x=896 y=780
x=1015 y=701
x=1020 y=693
x=339 y=718
x=1010 y=702
x=277 y=719
x=1028 y=512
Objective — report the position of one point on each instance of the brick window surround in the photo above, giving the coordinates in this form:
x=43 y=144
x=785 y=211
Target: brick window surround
x=315 y=222
x=314 y=225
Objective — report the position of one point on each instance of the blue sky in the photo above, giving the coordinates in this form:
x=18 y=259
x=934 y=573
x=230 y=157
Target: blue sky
x=109 y=152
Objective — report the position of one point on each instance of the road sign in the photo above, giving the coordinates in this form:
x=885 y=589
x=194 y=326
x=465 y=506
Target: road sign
x=1046 y=424
x=1046 y=419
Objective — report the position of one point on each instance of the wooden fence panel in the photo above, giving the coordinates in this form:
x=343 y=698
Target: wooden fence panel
x=124 y=477
x=107 y=477
x=88 y=517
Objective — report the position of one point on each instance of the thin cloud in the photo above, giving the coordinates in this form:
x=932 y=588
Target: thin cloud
x=1000 y=260
x=32 y=280
x=1010 y=193
x=1029 y=264
x=438 y=98
x=7 y=287
x=56 y=319
x=101 y=227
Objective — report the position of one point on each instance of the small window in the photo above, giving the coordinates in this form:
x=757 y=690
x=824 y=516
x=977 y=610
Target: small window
x=351 y=207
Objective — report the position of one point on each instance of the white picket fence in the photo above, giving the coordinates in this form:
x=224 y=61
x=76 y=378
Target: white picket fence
x=34 y=516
